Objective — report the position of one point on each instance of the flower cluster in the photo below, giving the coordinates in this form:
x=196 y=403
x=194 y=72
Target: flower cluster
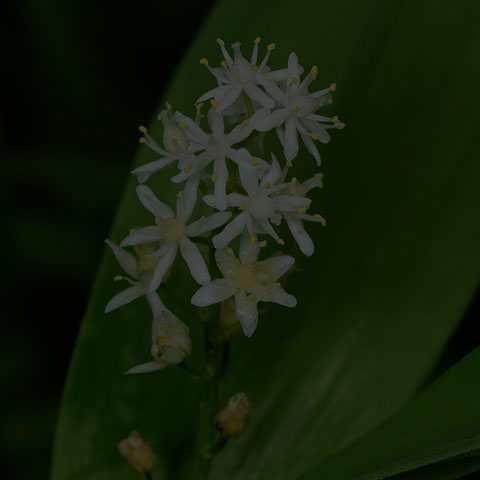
x=244 y=197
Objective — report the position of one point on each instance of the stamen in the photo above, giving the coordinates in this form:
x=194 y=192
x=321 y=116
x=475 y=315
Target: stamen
x=289 y=163
x=297 y=109
x=213 y=103
x=258 y=40
x=328 y=101
x=200 y=116
x=267 y=185
x=142 y=140
x=220 y=42
x=214 y=178
x=254 y=68
x=322 y=220
x=333 y=87
x=224 y=64
x=142 y=129
x=202 y=219
x=184 y=249
x=204 y=61
x=116 y=278
x=294 y=81
x=199 y=105
x=246 y=122
x=131 y=231
x=263 y=243
x=314 y=136
x=229 y=250
x=280 y=241
x=302 y=210
x=179 y=194
x=319 y=175
x=271 y=47
x=254 y=161
x=253 y=240
x=242 y=207
x=144 y=195
x=182 y=124
x=314 y=71
x=293 y=181
x=167 y=104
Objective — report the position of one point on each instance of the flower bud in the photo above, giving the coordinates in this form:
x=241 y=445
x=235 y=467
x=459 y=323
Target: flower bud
x=137 y=452
x=233 y=420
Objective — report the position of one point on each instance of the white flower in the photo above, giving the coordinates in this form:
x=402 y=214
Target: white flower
x=172 y=232
x=263 y=204
x=248 y=281
x=239 y=75
x=176 y=147
x=217 y=147
x=170 y=343
x=298 y=111
x=140 y=268
x=295 y=219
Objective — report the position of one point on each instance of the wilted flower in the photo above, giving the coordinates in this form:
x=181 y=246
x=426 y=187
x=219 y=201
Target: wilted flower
x=232 y=421
x=137 y=452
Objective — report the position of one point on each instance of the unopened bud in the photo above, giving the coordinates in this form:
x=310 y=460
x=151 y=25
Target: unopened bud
x=137 y=452
x=233 y=420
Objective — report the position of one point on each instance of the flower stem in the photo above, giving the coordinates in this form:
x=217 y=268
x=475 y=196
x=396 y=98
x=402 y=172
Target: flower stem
x=248 y=103
x=206 y=435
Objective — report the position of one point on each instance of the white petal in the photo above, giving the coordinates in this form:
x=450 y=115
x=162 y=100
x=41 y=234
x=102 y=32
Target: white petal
x=276 y=75
x=304 y=241
x=229 y=98
x=274 y=174
x=277 y=266
x=190 y=193
x=290 y=147
x=239 y=133
x=142 y=235
x=219 y=190
x=317 y=128
x=155 y=166
x=289 y=203
x=126 y=260
x=152 y=203
x=215 y=121
x=273 y=90
x=209 y=200
x=247 y=313
x=236 y=200
x=256 y=94
x=156 y=304
x=217 y=93
x=147 y=367
x=209 y=223
x=280 y=296
x=226 y=262
x=248 y=253
x=124 y=297
x=231 y=231
x=193 y=131
x=213 y=292
x=164 y=263
x=275 y=119
x=240 y=157
x=270 y=230
x=248 y=177
x=311 y=147
x=195 y=261
x=293 y=68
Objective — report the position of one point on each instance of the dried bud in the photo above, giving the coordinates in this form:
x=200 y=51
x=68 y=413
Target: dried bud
x=233 y=420
x=137 y=452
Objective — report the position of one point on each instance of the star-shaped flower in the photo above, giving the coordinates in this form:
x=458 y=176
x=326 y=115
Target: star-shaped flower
x=173 y=232
x=217 y=147
x=298 y=111
x=248 y=281
x=170 y=343
x=238 y=74
x=263 y=204
x=140 y=268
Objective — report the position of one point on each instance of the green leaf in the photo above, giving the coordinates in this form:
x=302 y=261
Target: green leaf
x=442 y=422
x=391 y=276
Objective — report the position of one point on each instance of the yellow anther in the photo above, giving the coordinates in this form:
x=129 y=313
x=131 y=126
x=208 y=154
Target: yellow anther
x=200 y=116
x=333 y=87
x=254 y=68
x=116 y=278
x=229 y=250
x=187 y=169
x=220 y=42
x=322 y=220
x=199 y=105
x=271 y=47
x=280 y=242
x=142 y=140
x=174 y=140
x=335 y=119
x=242 y=207
x=214 y=178
x=184 y=249
x=182 y=124
x=263 y=243
x=328 y=101
x=144 y=195
x=319 y=175
x=253 y=240
x=204 y=61
x=213 y=103
x=167 y=104
x=297 y=109
x=131 y=231
x=246 y=122
x=314 y=71
x=142 y=129
x=314 y=136
x=289 y=163
x=258 y=40
x=224 y=64
x=254 y=161
x=179 y=194
x=294 y=80
x=302 y=210
x=293 y=181
x=202 y=219
x=267 y=185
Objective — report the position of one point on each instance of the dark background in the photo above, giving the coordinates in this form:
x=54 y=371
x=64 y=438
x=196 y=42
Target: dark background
x=77 y=79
